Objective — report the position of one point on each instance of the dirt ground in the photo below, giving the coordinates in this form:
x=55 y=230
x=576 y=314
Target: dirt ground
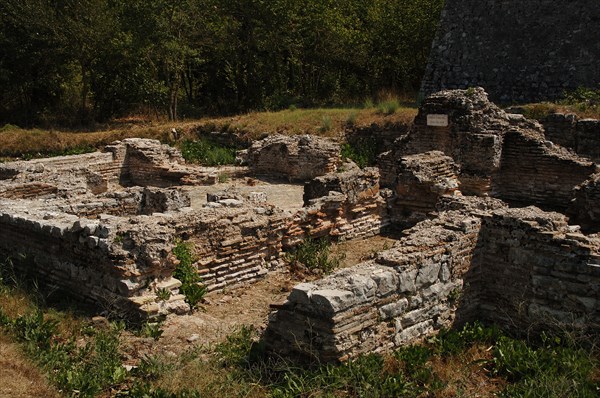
x=18 y=377
x=224 y=312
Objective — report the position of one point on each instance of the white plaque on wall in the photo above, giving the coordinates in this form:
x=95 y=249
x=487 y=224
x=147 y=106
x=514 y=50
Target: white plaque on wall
x=437 y=120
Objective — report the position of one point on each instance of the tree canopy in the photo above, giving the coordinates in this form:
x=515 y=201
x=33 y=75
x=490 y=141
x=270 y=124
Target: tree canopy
x=77 y=61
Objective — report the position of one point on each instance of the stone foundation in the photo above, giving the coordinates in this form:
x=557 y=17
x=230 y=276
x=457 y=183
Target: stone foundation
x=524 y=269
x=102 y=227
x=297 y=158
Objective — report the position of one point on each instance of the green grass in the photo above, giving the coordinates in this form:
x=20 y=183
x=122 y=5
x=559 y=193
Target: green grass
x=207 y=153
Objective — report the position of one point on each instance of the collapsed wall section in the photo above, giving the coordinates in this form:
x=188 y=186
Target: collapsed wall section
x=404 y=294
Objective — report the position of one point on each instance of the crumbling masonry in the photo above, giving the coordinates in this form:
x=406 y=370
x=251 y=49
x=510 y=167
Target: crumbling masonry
x=500 y=220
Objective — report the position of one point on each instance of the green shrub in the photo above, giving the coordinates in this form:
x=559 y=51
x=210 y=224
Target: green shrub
x=187 y=273
x=363 y=152
x=207 y=153
x=583 y=98
x=314 y=254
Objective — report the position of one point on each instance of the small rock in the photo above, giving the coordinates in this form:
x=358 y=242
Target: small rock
x=193 y=338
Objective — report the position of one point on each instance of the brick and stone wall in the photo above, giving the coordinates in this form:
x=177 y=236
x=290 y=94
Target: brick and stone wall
x=580 y=135
x=525 y=269
x=406 y=293
x=499 y=154
x=533 y=171
x=519 y=51
x=297 y=158
x=534 y=272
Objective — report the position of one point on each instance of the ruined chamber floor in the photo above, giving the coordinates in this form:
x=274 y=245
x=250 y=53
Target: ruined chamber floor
x=285 y=196
x=225 y=312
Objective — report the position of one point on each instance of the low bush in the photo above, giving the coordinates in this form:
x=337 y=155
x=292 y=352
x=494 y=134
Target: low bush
x=207 y=153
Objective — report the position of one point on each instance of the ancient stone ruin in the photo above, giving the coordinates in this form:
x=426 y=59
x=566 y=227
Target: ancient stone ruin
x=499 y=220
x=467 y=177
x=102 y=226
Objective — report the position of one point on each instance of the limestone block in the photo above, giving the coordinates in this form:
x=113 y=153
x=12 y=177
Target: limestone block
x=427 y=274
x=332 y=300
x=393 y=310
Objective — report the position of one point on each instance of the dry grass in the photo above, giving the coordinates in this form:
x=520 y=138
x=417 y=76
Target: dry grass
x=466 y=375
x=14 y=141
x=18 y=377
x=15 y=303
x=542 y=109
x=209 y=380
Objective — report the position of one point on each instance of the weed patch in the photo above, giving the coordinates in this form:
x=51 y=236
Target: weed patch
x=363 y=152
x=313 y=255
x=191 y=286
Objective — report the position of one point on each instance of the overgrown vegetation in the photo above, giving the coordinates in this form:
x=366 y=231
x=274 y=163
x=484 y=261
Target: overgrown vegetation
x=207 y=153
x=191 y=283
x=584 y=99
x=86 y=361
x=313 y=255
x=54 y=341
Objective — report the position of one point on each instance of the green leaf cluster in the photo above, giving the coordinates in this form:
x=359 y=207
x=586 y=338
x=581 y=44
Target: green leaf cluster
x=186 y=272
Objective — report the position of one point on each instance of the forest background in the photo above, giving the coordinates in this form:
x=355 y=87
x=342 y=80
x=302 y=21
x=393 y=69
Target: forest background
x=72 y=63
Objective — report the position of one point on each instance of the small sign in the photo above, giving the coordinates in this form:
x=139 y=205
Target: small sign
x=437 y=120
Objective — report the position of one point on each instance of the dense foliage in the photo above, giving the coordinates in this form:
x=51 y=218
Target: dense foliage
x=78 y=61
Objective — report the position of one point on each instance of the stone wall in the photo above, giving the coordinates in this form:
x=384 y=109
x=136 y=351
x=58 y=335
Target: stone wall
x=525 y=269
x=499 y=154
x=534 y=171
x=406 y=293
x=585 y=208
x=297 y=158
x=472 y=133
x=345 y=205
x=580 y=135
x=421 y=180
x=534 y=272
x=112 y=245
x=104 y=261
x=519 y=51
